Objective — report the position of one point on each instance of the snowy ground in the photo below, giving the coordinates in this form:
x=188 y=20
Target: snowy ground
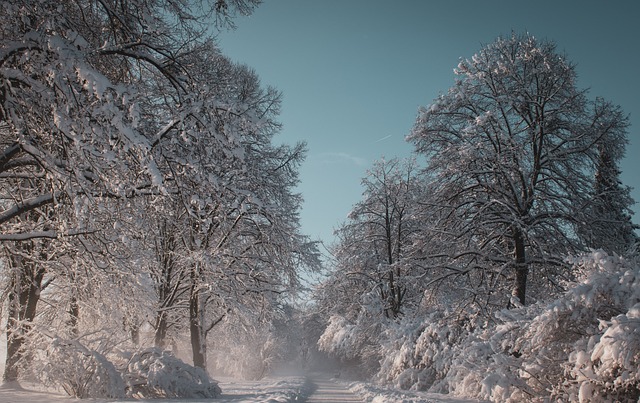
x=376 y=394
x=283 y=389
x=269 y=390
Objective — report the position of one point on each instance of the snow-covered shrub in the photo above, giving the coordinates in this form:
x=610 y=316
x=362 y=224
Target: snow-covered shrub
x=153 y=373
x=418 y=354
x=339 y=337
x=82 y=372
x=612 y=371
x=251 y=350
x=606 y=366
x=487 y=364
x=583 y=346
x=248 y=356
x=354 y=344
x=99 y=372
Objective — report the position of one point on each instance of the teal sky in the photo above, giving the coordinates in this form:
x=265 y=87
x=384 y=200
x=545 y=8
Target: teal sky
x=354 y=72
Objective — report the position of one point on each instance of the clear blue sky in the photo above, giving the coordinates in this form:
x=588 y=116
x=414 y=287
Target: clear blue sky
x=354 y=72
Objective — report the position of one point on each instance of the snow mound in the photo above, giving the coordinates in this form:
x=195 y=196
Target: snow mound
x=153 y=373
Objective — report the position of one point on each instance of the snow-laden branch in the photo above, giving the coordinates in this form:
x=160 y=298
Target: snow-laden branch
x=29 y=235
x=8 y=154
x=51 y=234
x=27 y=205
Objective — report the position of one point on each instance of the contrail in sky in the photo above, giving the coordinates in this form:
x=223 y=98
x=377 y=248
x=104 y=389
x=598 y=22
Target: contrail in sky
x=384 y=138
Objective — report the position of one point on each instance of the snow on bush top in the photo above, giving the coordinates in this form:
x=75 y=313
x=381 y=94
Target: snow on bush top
x=153 y=373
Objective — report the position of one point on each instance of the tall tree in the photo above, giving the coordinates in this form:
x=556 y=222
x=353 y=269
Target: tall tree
x=232 y=192
x=511 y=150
x=374 y=278
x=606 y=222
x=376 y=241
x=81 y=118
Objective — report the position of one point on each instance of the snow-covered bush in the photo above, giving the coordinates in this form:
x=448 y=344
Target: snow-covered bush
x=251 y=349
x=338 y=338
x=153 y=373
x=612 y=371
x=418 y=354
x=82 y=372
x=584 y=346
x=356 y=345
x=487 y=364
x=248 y=356
x=606 y=366
x=99 y=372
x=581 y=347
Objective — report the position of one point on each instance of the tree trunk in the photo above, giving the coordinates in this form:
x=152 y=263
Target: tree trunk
x=74 y=315
x=196 y=322
x=198 y=346
x=159 y=339
x=14 y=341
x=23 y=300
x=522 y=270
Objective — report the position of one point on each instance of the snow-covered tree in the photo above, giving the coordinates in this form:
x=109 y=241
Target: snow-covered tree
x=110 y=113
x=374 y=275
x=375 y=243
x=237 y=209
x=511 y=150
x=607 y=223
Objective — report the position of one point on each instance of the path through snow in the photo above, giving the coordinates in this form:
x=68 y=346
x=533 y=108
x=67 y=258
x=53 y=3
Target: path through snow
x=328 y=390
x=269 y=390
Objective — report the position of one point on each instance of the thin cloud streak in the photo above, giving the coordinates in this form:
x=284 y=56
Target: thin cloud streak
x=340 y=157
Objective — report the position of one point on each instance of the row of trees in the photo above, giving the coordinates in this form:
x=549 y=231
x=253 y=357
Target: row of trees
x=139 y=184
x=521 y=171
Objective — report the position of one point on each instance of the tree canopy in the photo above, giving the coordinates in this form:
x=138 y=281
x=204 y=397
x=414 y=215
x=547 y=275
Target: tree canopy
x=137 y=164
x=511 y=153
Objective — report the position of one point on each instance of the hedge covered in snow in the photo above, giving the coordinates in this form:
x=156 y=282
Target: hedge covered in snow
x=584 y=346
